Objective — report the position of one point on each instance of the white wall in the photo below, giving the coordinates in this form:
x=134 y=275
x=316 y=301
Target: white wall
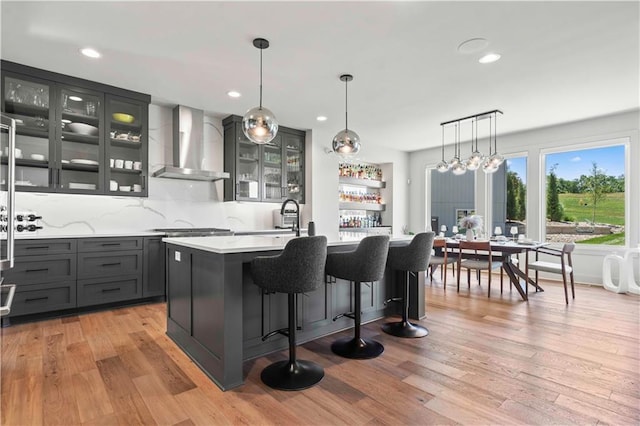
x=588 y=260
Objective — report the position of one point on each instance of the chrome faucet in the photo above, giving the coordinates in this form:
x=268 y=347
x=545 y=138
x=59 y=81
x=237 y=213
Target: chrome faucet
x=297 y=224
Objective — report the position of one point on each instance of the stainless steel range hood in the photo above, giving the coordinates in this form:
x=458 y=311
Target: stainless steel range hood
x=188 y=148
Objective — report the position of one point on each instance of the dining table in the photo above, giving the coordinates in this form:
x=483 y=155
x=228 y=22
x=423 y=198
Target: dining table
x=507 y=249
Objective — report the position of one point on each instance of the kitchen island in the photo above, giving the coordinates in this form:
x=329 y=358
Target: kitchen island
x=217 y=315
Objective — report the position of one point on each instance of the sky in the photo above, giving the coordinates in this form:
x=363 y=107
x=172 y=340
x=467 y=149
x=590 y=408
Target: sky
x=518 y=165
x=572 y=164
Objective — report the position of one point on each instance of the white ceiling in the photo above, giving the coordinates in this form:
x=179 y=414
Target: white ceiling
x=561 y=61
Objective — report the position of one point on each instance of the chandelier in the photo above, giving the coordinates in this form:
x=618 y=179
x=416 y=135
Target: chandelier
x=489 y=163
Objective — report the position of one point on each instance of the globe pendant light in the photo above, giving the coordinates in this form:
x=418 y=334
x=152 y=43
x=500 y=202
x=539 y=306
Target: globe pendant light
x=457 y=167
x=259 y=124
x=476 y=158
x=346 y=143
x=442 y=166
x=492 y=163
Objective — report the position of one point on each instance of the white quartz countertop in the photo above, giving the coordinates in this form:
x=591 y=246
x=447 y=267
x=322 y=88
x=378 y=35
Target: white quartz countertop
x=248 y=243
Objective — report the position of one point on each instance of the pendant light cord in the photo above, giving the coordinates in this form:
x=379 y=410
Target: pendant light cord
x=346 y=106
x=490 y=152
x=495 y=133
x=261 y=78
x=442 y=143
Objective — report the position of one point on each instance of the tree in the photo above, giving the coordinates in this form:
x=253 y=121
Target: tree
x=555 y=212
x=596 y=185
x=512 y=195
x=516 y=197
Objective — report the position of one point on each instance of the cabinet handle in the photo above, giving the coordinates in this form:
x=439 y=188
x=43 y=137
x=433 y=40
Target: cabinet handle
x=111 y=264
x=37 y=270
x=37 y=248
x=110 y=290
x=35 y=299
x=144 y=182
x=110 y=244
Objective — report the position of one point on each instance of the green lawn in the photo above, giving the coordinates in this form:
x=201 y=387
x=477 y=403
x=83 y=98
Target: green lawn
x=609 y=210
x=612 y=240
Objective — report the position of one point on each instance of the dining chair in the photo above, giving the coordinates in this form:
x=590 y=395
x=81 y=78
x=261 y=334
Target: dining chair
x=564 y=267
x=442 y=261
x=476 y=255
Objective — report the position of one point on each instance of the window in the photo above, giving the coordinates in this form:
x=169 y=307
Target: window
x=510 y=198
x=585 y=195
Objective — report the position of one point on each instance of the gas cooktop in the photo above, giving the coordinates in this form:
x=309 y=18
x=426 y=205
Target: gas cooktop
x=194 y=232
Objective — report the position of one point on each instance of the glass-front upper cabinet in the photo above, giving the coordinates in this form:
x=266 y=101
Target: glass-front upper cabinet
x=248 y=170
x=294 y=152
x=27 y=100
x=272 y=170
x=80 y=151
x=127 y=146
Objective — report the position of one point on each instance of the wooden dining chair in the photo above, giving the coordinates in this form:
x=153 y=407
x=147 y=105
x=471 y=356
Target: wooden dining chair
x=441 y=261
x=564 y=267
x=476 y=255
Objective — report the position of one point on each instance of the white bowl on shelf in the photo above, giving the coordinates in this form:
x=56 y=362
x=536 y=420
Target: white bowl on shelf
x=126 y=188
x=83 y=129
x=38 y=157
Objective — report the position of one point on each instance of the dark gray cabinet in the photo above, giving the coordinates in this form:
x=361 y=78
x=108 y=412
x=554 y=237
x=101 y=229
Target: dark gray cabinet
x=58 y=274
x=179 y=289
x=45 y=274
x=68 y=130
x=153 y=275
x=271 y=172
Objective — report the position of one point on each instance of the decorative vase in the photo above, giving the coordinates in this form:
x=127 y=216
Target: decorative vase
x=470 y=234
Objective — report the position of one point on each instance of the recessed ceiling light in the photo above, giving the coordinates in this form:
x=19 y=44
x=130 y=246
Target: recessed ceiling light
x=321 y=118
x=489 y=57
x=233 y=94
x=66 y=121
x=89 y=52
x=75 y=98
x=473 y=45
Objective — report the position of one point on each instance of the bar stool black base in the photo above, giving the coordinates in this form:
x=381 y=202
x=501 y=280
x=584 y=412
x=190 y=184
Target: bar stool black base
x=284 y=375
x=353 y=348
x=404 y=329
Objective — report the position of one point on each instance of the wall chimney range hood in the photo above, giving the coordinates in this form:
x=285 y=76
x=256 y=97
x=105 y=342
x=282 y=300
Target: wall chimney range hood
x=188 y=148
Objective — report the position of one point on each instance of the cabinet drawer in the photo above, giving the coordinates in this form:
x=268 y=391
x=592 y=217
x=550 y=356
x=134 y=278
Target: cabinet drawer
x=109 y=264
x=109 y=244
x=100 y=290
x=42 y=269
x=45 y=246
x=33 y=299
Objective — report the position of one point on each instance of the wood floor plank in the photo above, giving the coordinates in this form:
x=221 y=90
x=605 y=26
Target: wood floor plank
x=497 y=360
x=171 y=374
x=161 y=403
x=91 y=396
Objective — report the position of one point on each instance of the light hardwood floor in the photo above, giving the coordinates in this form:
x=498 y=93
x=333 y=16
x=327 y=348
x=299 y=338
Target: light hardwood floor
x=486 y=361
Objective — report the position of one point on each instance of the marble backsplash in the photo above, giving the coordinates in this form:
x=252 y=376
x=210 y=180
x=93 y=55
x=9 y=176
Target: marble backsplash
x=170 y=203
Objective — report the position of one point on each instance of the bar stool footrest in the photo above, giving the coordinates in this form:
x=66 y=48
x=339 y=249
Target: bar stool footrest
x=404 y=329
x=283 y=331
x=284 y=375
x=349 y=347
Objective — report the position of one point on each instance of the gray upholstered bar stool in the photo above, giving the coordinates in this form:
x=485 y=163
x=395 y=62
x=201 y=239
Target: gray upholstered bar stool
x=412 y=258
x=298 y=269
x=365 y=264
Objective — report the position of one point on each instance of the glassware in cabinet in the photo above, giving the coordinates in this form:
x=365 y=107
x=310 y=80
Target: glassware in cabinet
x=294 y=156
x=27 y=101
x=272 y=170
x=126 y=147
x=80 y=148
